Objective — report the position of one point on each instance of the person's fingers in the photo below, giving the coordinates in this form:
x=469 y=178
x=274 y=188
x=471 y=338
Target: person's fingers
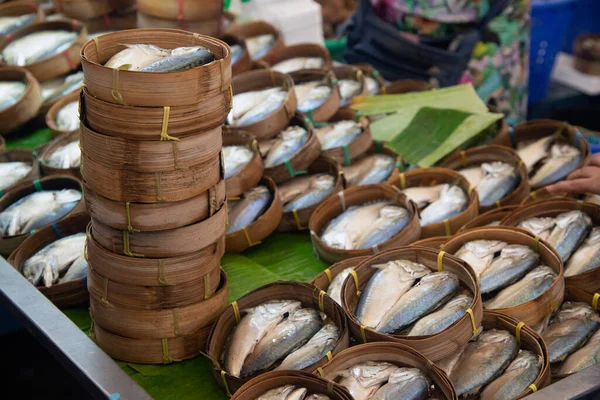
x=573 y=186
x=585 y=172
x=594 y=160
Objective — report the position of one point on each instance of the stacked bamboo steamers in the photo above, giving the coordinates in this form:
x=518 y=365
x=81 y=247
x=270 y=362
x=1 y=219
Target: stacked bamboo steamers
x=151 y=162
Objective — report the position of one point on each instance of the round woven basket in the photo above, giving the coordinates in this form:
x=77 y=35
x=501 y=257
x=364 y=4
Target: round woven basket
x=244 y=63
x=352 y=73
x=326 y=110
x=27 y=106
x=18 y=8
x=53 y=111
x=543 y=195
x=359 y=146
x=84 y=9
x=436 y=242
x=252 y=173
x=370 y=71
x=494 y=216
x=324 y=279
x=49 y=149
x=23 y=155
x=210 y=27
x=182 y=9
x=252 y=29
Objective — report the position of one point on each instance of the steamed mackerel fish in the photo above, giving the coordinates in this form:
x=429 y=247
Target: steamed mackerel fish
x=517 y=377
x=441 y=319
x=338 y=134
x=291 y=392
x=374 y=168
x=569 y=232
x=10 y=24
x=587 y=256
x=534 y=152
x=285 y=145
x=149 y=58
x=335 y=287
x=253 y=106
x=58 y=87
x=314 y=350
x=11 y=93
x=498 y=180
x=235 y=159
x=259 y=46
x=512 y=264
x=438 y=203
x=244 y=212
x=563 y=160
x=528 y=288
x=37 y=46
x=311 y=95
x=13 y=172
x=306 y=191
x=424 y=195
x=479 y=254
x=349 y=88
x=406 y=384
x=67 y=156
x=363 y=380
x=539 y=226
x=67 y=118
x=298 y=63
x=583 y=358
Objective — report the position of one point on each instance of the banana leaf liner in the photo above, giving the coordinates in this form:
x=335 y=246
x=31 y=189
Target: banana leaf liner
x=150 y=187
x=407 y=86
x=160 y=324
x=584 y=60
x=168 y=243
x=495 y=215
x=210 y=27
x=275 y=122
x=84 y=9
x=57 y=182
x=299 y=162
x=57 y=143
x=336 y=205
x=324 y=279
x=331 y=105
x=370 y=71
x=436 y=242
x=63 y=295
x=352 y=73
x=182 y=9
x=252 y=29
x=394 y=353
x=53 y=112
x=244 y=62
x=116 y=21
x=154 y=272
x=307 y=294
x=27 y=106
x=175 y=89
x=297 y=220
x=58 y=64
x=298 y=50
x=18 y=8
x=543 y=195
x=434 y=347
x=588 y=281
x=482 y=154
x=378 y=147
x=274 y=379
x=262 y=227
x=356 y=148
x=436 y=176
x=252 y=173
x=533 y=311
x=24 y=155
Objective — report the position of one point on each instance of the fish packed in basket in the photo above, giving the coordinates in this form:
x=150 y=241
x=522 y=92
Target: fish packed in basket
x=438 y=202
x=370 y=169
x=493 y=181
x=11 y=172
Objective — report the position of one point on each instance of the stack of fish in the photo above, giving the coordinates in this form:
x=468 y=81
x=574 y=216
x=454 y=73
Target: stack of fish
x=493 y=181
x=438 y=202
x=291 y=392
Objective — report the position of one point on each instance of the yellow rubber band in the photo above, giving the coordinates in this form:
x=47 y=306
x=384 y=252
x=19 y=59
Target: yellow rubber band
x=321 y=298
x=595 y=301
x=533 y=388
x=247 y=234
x=297 y=219
x=537 y=244
x=533 y=196
x=402 y=180
x=230 y=98
x=353 y=273
x=470 y=191
x=166 y=358
x=116 y=95
x=363 y=333
x=329 y=386
x=329 y=356
x=162 y=280
x=236 y=311
x=225 y=385
x=164 y=135
x=176 y=330
x=207 y=291
x=226 y=215
x=440 y=259
x=520 y=325
x=159 y=196
x=328 y=274
x=320 y=372
x=130 y=228
x=447 y=228
x=126 y=246
x=473 y=325
x=105 y=291
x=498 y=204
x=463 y=158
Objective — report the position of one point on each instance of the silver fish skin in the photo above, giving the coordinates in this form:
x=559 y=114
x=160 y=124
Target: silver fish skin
x=483 y=360
x=67 y=117
x=244 y=212
x=36 y=210
x=181 y=59
x=449 y=363
x=11 y=93
x=479 y=254
x=541 y=226
x=583 y=358
x=348 y=89
x=335 y=287
x=570 y=231
x=320 y=188
x=314 y=350
x=297 y=394
x=514 y=262
x=391 y=221
x=13 y=172
x=372 y=169
x=563 y=160
x=55 y=88
x=290 y=334
x=363 y=380
x=587 y=256
x=453 y=200
x=531 y=286
x=373 y=86
x=246 y=101
x=313 y=98
x=259 y=46
x=279 y=393
x=473 y=174
x=424 y=195
x=535 y=152
x=68 y=156
x=517 y=377
x=406 y=384
x=286 y=145
x=264 y=109
x=431 y=291
x=77 y=270
x=236 y=52
x=235 y=159
x=338 y=134
x=10 y=24
x=37 y=46
x=298 y=63
x=317 y=397
x=253 y=326
x=441 y=319
x=385 y=287
x=136 y=56
x=294 y=188
x=499 y=179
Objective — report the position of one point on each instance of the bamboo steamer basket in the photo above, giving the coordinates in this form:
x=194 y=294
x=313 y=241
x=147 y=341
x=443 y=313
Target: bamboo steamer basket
x=160 y=324
x=370 y=71
x=116 y=21
x=134 y=88
x=47 y=105
x=407 y=86
x=209 y=27
x=434 y=347
x=332 y=104
x=23 y=155
x=588 y=281
x=297 y=220
x=84 y=9
x=53 y=112
x=182 y=10
x=352 y=73
x=481 y=154
x=154 y=123
x=543 y=195
x=307 y=294
x=27 y=106
x=575 y=294
x=324 y=279
x=394 y=353
x=58 y=64
x=58 y=182
x=57 y=143
x=155 y=272
x=167 y=243
x=359 y=146
x=298 y=50
x=533 y=311
x=434 y=176
x=275 y=122
x=495 y=215
x=18 y=8
x=586 y=61
x=252 y=29
x=63 y=295
x=336 y=205
x=299 y=162
x=262 y=227
x=244 y=63
x=275 y=379
x=436 y=242
x=252 y=173
x=378 y=147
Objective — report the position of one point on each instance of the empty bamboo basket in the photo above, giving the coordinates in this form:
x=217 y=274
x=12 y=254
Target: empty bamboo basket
x=407 y=86
x=27 y=106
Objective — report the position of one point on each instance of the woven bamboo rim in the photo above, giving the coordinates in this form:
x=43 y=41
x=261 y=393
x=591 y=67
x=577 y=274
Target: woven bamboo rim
x=335 y=205
x=63 y=295
x=170 y=271
x=168 y=243
x=407 y=86
x=436 y=242
x=359 y=146
x=575 y=294
x=588 y=281
x=244 y=63
x=534 y=311
x=352 y=73
x=27 y=107
x=191 y=87
x=394 y=353
x=324 y=279
x=270 y=126
x=585 y=61
x=53 y=111
x=298 y=163
x=478 y=155
x=151 y=351
x=297 y=220
x=370 y=71
x=298 y=50
x=58 y=64
x=153 y=123
x=435 y=176
x=18 y=8
x=84 y=9
x=328 y=109
x=24 y=155
x=212 y=27
x=252 y=29
x=262 y=227
x=160 y=324
x=252 y=173
x=53 y=146
x=116 y=21
x=494 y=215
x=57 y=182
x=307 y=294
x=543 y=195
x=434 y=347
x=182 y=10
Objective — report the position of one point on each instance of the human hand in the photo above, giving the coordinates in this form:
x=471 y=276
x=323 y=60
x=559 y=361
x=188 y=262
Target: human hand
x=583 y=180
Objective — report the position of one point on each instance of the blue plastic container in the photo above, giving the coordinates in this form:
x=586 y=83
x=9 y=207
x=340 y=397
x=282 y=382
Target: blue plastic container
x=550 y=23
x=586 y=18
